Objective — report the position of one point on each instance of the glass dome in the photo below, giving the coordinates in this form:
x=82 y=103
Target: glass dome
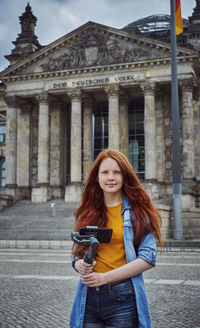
x=154 y=23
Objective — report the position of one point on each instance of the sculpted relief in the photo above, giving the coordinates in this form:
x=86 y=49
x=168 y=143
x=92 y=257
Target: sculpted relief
x=96 y=50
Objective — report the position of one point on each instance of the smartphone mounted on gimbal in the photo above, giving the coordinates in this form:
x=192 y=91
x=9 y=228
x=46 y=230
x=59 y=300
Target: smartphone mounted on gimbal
x=103 y=235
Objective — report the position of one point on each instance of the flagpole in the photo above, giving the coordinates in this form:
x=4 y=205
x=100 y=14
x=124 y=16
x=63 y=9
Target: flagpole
x=176 y=169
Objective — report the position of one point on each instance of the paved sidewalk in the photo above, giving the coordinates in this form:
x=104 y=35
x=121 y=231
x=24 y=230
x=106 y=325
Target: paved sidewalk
x=38 y=283
x=37 y=288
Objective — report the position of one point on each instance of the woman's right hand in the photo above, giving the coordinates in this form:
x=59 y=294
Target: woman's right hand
x=83 y=267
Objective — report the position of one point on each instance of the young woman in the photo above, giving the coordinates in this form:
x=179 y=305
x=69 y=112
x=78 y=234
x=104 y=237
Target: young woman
x=111 y=291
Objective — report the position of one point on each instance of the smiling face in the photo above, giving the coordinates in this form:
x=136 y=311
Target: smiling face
x=110 y=177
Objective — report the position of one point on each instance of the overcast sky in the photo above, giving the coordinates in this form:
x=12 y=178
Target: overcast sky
x=56 y=18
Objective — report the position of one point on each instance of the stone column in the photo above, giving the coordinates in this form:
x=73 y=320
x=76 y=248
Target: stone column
x=23 y=146
x=160 y=149
x=148 y=88
x=113 y=116
x=197 y=134
x=73 y=191
x=188 y=144
x=11 y=143
x=123 y=124
x=40 y=194
x=149 y=130
x=188 y=131
x=87 y=135
x=56 y=163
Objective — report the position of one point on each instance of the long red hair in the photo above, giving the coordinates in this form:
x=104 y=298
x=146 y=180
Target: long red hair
x=92 y=210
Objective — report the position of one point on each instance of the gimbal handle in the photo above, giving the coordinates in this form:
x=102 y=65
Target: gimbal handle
x=89 y=256
x=91 y=241
x=91 y=236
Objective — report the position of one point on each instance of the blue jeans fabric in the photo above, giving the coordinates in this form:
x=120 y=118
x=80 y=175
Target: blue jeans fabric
x=111 y=306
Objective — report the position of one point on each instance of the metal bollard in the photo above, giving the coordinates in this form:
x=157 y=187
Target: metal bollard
x=53 y=206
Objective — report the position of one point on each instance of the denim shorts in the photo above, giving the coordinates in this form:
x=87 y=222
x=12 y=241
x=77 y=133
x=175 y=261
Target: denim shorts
x=111 y=306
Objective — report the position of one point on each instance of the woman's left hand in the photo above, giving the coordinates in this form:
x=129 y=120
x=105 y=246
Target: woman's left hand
x=94 y=279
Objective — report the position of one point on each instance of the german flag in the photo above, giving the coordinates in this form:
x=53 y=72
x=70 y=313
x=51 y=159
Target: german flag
x=179 y=22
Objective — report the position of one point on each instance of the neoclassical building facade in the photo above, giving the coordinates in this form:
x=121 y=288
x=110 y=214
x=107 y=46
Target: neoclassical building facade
x=94 y=88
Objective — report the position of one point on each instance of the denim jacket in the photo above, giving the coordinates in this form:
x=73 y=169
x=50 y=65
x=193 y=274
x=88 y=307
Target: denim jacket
x=146 y=251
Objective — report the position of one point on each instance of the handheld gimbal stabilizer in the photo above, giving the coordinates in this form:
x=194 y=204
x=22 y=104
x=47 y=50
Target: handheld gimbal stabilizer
x=91 y=236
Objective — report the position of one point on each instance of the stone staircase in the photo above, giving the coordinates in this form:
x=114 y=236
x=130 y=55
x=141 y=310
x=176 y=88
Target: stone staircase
x=26 y=221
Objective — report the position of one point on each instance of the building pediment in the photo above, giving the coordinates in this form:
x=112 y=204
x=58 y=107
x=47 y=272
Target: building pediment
x=92 y=45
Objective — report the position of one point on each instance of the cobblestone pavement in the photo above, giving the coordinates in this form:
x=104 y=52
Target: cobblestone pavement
x=37 y=288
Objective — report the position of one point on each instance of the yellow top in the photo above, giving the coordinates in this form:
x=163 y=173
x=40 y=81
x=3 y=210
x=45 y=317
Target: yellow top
x=111 y=256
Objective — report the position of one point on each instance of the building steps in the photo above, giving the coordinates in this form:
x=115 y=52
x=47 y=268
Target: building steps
x=27 y=222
